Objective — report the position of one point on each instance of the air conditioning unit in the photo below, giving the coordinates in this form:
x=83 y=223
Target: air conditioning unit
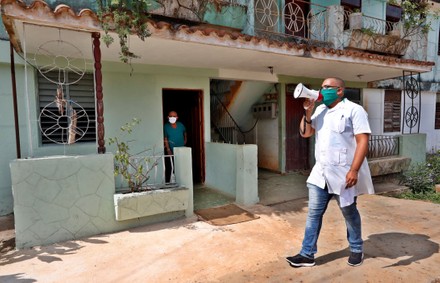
x=266 y=110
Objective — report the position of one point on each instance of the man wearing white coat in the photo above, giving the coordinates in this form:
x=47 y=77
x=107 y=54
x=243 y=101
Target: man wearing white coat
x=341 y=170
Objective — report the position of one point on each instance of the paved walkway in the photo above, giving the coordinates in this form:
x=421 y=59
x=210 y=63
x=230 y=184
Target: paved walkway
x=402 y=240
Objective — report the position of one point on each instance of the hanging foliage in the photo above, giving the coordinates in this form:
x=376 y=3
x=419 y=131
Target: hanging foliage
x=415 y=17
x=124 y=17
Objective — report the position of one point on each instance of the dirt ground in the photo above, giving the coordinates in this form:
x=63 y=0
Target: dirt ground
x=401 y=241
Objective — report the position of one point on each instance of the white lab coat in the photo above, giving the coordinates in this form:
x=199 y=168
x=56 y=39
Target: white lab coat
x=335 y=145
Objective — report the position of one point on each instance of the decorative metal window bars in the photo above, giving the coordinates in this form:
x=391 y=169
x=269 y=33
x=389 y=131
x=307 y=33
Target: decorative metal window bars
x=291 y=20
x=412 y=108
x=58 y=119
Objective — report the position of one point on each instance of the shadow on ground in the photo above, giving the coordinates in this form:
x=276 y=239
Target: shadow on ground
x=46 y=254
x=393 y=245
x=16 y=278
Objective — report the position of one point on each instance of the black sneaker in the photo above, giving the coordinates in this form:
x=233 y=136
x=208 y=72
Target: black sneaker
x=299 y=260
x=355 y=259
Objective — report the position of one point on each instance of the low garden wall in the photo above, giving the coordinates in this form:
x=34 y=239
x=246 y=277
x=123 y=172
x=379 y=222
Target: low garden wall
x=63 y=198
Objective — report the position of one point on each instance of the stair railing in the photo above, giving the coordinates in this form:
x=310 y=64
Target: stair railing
x=224 y=123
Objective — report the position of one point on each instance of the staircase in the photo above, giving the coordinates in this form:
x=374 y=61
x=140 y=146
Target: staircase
x=223 y=126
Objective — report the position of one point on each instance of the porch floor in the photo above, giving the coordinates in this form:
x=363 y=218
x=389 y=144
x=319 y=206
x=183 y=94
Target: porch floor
x=205 y=197
x=275 y=188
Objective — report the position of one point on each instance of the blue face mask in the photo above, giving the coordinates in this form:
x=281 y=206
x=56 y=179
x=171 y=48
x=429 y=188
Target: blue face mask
x=329 y=96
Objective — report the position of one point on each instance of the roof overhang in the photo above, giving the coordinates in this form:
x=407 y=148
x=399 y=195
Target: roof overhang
x=233 y=54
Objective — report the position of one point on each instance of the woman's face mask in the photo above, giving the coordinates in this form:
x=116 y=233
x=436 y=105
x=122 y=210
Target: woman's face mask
x=172 y=120
x=329 y=96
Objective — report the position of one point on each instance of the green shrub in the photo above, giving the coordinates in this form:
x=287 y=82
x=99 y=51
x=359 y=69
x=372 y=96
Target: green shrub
x=433 y=162
x=420 y=178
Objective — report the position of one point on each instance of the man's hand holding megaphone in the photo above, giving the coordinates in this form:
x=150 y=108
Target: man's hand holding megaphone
x=311 y=97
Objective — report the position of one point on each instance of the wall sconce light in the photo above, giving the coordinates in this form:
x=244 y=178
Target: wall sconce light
x=270 y=69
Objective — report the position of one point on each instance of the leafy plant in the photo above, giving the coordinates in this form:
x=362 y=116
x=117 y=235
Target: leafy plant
x=368 y=31
x=419 y=178
x=433 y=162
x=124 y=17
x=415 y=17
x=134 y=168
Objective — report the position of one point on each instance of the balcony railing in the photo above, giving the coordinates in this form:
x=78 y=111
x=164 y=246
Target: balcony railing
x=297 y=21
x=370 y=24
x=332 y=26
x=383 y=146
x=301 y=22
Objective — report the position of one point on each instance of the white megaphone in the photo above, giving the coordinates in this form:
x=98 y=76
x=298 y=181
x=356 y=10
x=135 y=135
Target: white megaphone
x=302 y=91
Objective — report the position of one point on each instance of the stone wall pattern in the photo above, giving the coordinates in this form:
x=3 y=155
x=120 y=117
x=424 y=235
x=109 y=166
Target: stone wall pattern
x=67 y=197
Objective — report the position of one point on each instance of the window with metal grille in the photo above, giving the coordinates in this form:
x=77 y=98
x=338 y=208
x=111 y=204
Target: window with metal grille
x=82 y=93
x=392 y=110
x=437 y=112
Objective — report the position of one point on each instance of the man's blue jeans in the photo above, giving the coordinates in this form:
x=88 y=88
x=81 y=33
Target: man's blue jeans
x=318 y=202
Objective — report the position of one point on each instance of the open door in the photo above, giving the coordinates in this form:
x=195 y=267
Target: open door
x=297 y=147
x=189 y=107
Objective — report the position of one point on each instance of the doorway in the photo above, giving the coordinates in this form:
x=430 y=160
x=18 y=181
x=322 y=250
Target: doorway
x=297 y=147
x=189 y=107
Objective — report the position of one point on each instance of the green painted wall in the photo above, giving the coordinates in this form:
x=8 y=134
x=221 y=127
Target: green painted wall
x=414 y=147
x=140 y=95
x=7 y=127
x=7 y=137
x=236 y=16
x=125 y=97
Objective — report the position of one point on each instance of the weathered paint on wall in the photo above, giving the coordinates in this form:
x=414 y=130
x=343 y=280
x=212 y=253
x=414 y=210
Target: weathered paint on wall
x=268 y=143
x=250 y=93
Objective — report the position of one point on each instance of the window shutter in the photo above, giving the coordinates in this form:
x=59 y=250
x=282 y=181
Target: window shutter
x=392 y=109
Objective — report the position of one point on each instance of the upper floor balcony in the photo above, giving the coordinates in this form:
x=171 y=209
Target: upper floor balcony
x=301 y=22
x=240 y=39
